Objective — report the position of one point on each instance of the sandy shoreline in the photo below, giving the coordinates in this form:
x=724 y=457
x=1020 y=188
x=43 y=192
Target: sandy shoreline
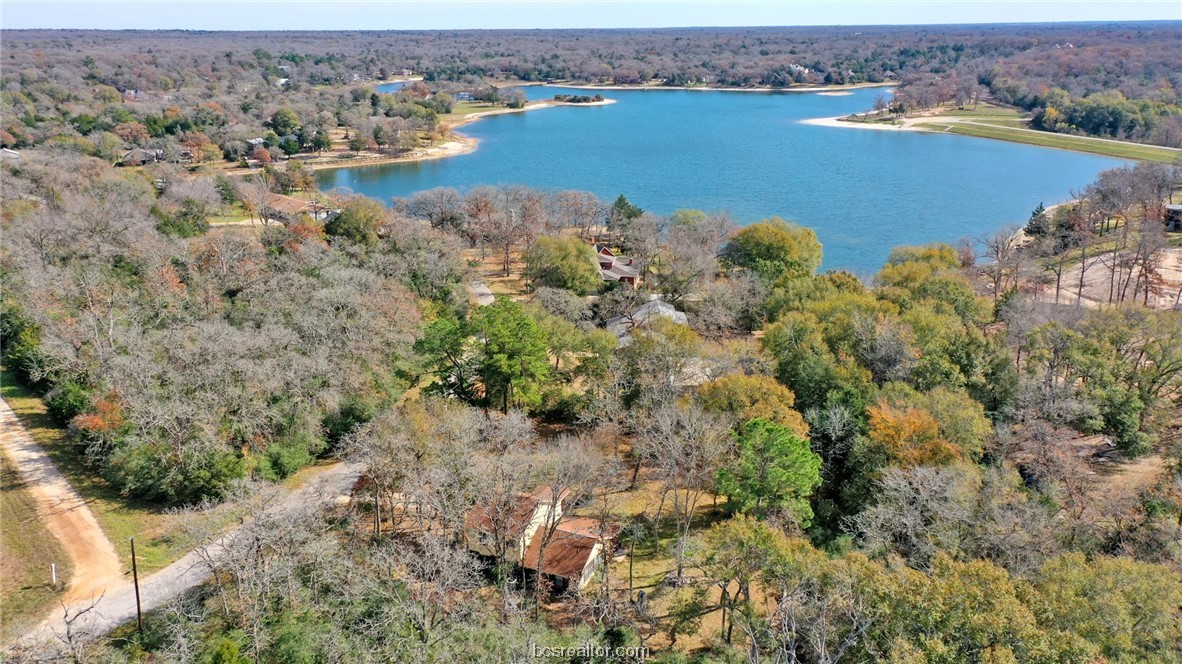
x=458 y=145
x=839 y=121
x=532 y=106
x=820 y=88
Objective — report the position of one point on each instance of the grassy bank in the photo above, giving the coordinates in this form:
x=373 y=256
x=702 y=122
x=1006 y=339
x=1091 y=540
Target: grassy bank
x=119 y=517
x=26 y=551
x=1117 y=149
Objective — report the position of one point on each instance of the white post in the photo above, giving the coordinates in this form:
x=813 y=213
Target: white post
x=53 y=572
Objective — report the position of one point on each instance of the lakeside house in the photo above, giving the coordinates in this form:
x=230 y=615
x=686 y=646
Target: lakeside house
x=617 y=268
x=287 y=209
x=575 y=547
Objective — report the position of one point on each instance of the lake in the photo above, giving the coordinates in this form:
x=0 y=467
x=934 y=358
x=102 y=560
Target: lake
x=747 y=153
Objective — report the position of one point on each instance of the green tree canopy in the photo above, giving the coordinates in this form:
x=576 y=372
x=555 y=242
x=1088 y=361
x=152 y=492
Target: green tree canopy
x=774 y=248
x=284 y=121
x=752 y=397
x=566 y=263
x=514 y=359
x=1039 y=224
x=623 y=210
x=358 y=221
x=773 y=470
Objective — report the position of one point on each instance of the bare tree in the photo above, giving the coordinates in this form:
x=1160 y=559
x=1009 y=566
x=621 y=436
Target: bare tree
x=686 y=445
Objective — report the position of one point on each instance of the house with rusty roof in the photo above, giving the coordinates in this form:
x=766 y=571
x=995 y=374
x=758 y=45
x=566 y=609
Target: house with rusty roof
x=573 y=551
x=287 y=209
x=507 y=528
x=531 y=531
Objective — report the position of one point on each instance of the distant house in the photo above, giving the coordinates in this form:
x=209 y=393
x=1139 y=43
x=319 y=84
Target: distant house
x=617 y=268
x=1173 y=218
x=255 y=142
x=287 y=209
x=464 y=96
x=623 y=324
x=574 y=546
x=9 y=155
x=140 y=156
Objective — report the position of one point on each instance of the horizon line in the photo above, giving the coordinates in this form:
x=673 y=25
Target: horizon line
x=603 y=29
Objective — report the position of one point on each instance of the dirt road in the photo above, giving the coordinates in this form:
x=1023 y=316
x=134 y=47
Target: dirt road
x=117 y=606
x=65 y=513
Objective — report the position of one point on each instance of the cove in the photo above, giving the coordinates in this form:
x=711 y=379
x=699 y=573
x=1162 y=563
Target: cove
x=747 y=153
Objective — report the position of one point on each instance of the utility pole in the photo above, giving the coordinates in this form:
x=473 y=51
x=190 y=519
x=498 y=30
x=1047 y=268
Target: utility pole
x=135 y=577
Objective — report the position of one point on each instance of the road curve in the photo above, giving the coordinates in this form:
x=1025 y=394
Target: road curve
x=101 y=583
x=96 y=567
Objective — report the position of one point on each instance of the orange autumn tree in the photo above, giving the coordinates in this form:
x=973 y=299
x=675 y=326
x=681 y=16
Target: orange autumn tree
x=910 y=436
x=104 y=420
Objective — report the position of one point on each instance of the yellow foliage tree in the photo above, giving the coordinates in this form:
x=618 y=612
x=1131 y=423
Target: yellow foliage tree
x=753 y=397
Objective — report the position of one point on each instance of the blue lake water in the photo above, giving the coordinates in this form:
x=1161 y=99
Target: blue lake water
x=747 y=153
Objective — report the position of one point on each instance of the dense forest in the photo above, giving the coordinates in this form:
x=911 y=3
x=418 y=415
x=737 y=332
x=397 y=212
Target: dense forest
x=210 y=94
x=807 y=467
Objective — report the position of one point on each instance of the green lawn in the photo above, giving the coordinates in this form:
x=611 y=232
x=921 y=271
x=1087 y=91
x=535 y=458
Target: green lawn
x=983 y=111
x=462 y=108
x=119 y=517
x=1107 y=148
x=26 y=551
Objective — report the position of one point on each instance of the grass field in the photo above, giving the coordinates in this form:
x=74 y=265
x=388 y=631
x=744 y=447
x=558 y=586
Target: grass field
x=26 y=551
x=1116 y=149
x=119 y=517
x=462 y=108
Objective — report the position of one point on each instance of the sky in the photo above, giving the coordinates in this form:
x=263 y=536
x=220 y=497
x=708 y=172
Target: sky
x=488 y=14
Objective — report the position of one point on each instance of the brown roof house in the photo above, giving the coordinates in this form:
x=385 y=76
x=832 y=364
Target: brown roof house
x=617 y=268
x=519 y=530
x=505 y=530
x=288 y=209
x=575 y=550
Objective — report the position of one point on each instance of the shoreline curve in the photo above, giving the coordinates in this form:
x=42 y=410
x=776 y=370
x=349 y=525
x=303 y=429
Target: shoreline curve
x=459 y=144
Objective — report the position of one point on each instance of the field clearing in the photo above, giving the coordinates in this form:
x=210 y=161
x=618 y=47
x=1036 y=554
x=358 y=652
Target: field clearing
x=490 y=270
x=1117 y=149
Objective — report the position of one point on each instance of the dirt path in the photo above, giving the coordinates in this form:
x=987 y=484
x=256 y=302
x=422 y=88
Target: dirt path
x=117 y=605
x=65 y=513
x=1098 y=277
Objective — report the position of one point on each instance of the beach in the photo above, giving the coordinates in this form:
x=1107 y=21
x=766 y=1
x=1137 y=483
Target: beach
x=457 y=144
x=707 y=88
x=839 y=121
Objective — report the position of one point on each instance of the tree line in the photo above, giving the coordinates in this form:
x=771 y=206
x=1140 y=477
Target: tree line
x=101 y=92
x=818 y=467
